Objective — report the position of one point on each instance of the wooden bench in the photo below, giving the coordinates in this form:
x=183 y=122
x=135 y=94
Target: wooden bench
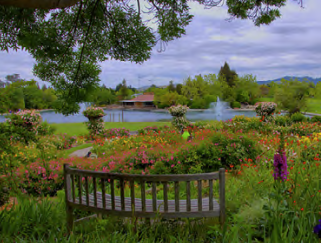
x=79 y=181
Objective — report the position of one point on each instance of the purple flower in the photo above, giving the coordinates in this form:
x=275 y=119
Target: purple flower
x=280 y=167
x=317 y=229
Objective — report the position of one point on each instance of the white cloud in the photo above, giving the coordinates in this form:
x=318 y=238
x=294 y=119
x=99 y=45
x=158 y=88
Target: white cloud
x=288 y=46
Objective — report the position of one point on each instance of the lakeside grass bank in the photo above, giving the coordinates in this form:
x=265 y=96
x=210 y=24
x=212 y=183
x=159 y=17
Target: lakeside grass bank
x=76 y=129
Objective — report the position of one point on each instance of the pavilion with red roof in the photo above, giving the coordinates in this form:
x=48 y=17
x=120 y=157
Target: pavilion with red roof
x=145 y=100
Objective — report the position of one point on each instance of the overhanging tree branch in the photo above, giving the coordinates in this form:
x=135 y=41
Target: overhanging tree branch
x=39 y=4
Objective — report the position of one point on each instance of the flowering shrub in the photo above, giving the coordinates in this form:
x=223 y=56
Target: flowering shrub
x=179 y=120
x=46 y=179
x=265 y=110
x=27 y=119
x=115 y=132
x=45 y=129
x=93 y=112
x=155 y=129
x=178 y=110
x=95 y=127
x=96 y=123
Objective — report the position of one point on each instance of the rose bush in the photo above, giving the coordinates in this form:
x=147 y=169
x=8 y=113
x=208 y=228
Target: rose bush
x=179 y=120
x=265 y=110
x=95 y=125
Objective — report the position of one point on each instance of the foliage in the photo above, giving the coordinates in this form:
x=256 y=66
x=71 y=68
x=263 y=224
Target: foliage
x=93 y=112
x=27 y=119
x=96 y=123
x=316 y=119
x=179 y=120
x=4 y=191
x=178 y=110
x=265 y=110
x=22 y=94
x=235 y=104
x=298 y=117
x=115 y=132
x=282 y=121
x=292 y=95
x=154 y=129
x=45 y=129
x=229 y=75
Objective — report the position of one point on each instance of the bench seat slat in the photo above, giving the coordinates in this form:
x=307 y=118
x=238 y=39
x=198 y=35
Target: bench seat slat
x=149 y=204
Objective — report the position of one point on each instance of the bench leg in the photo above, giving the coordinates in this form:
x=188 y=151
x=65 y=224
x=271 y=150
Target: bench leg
x=222 y=219
x=70 y=220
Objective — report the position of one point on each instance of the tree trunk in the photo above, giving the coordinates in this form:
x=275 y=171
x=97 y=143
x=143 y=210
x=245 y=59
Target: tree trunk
x=39 y=4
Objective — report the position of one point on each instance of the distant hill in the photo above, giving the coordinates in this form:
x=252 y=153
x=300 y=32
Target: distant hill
x=314 y=80
x=143 y=88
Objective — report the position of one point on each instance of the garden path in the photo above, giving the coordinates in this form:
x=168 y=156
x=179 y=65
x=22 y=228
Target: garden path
x=84 y=152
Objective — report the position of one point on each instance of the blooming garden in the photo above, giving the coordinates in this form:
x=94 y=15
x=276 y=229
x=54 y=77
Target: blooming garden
x=273 y=185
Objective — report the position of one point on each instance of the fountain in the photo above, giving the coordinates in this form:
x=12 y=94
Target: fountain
x=218 y=107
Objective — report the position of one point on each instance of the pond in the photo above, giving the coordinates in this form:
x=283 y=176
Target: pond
x=142 y=116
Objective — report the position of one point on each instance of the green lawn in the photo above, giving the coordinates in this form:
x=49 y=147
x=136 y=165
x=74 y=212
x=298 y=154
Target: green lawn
x=314 y=105
x=65 y=153
x=76 y=129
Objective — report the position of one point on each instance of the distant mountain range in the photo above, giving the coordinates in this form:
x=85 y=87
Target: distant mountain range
x=314 y=80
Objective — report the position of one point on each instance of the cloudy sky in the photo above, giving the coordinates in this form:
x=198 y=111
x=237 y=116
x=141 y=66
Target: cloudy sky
x=289 y=46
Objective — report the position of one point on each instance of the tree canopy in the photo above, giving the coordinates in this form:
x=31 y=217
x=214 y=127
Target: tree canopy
x=69 y=38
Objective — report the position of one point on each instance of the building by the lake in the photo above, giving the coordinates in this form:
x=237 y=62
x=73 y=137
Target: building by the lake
x=145 y=100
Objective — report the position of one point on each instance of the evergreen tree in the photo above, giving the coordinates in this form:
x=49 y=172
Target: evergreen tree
x=179 y=89
x=171 y=86
x=228 y=74
x=124 y=91
x=118 y=87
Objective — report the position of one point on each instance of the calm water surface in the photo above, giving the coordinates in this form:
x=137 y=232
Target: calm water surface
x=141 y=116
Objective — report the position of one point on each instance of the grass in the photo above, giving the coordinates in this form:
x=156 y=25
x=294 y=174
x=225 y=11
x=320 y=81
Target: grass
x=266 y=99
x=76 y=129
x=314 y=105
x=67 y=152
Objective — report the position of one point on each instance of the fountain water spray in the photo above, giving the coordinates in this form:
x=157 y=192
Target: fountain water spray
x=218 y=107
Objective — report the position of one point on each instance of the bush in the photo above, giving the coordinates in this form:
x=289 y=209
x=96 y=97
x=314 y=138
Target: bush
x=282 y=121
x=30 y=120
x=4 y=192
x=235 y=104
x=38 y=179
x=17 y=133
x=298 y=117
x=45 y=129
x=116 y=132
x=265 y=110
x=316 y=119
x=200 y=124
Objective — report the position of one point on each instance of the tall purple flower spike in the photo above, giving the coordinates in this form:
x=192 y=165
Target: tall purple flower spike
x=280 y=167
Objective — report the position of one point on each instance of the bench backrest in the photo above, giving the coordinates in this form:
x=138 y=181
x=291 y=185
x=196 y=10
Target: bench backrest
x=72 y=175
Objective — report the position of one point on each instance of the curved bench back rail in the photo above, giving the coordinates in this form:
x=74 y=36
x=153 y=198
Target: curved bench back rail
x=106 y=193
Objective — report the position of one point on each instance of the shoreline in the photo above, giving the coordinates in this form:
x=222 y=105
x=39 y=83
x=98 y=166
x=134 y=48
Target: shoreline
x=5 y=114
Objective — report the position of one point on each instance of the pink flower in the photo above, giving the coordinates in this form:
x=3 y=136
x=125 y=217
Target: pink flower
x=172 y=166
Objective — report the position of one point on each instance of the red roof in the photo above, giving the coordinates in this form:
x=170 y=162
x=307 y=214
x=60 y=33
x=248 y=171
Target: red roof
x=144 y=98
